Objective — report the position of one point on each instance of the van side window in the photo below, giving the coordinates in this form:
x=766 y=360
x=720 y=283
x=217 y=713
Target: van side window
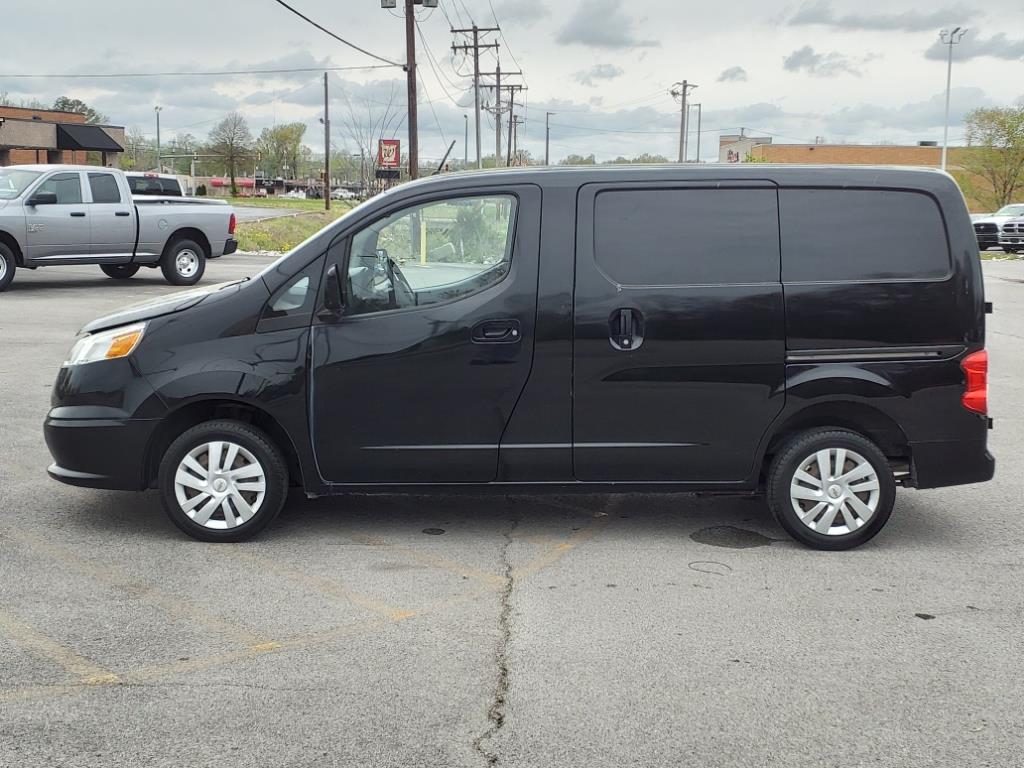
x=292 y=304
x=67 y=187
x=435 y=252
x=839 y=235
x=695 y=236
x=104 y=188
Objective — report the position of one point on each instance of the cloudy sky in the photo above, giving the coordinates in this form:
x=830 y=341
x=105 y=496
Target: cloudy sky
x=863 y=71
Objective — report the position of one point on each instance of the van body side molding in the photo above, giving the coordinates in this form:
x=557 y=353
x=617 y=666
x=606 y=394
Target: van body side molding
x=872 y=354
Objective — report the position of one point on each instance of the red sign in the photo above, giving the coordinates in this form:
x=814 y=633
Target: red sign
x=389 y=153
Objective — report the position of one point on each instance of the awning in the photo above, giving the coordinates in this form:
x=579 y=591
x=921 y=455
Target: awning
x=90 y=138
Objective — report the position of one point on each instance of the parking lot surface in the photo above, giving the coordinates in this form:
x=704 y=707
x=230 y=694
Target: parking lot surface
x=479 y=630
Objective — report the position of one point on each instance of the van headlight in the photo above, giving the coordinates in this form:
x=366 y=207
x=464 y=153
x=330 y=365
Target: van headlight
x=106 y=345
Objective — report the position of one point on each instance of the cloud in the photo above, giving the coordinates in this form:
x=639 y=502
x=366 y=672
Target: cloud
x=807 y=60
x=821 y=13
x=598 y=72
x=602 y=24
x=733 y=75
x=919 y=116
x=999 y=46
x=525 y=13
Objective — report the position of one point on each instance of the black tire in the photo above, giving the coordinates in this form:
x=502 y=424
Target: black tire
x=8 y=266
x=250 y=440
x=1007 y=249
x=794 y=454
x=183 y=262
x=119 y=271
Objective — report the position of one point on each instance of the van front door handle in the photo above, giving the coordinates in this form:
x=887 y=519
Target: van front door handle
x=496 y=332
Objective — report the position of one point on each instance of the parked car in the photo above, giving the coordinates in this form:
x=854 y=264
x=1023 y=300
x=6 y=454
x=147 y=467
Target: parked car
x=987 y=228
x=612 y=329
x=342 y=194
x=1011 y=237
x=160 y=184
x=53 y=215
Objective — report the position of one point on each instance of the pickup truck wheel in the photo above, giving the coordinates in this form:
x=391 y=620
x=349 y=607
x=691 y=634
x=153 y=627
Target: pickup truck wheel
x=223 y=481
x=183 y=262
x=8 y=266
x=119 y=271
x=831 y=488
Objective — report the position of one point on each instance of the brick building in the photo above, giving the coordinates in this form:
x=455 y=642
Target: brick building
x=48 y=136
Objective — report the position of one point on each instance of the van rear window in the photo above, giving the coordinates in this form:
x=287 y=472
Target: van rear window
x=693 y=236
x=842 y=235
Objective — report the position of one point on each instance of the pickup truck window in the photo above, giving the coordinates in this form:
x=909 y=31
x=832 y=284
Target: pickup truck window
x=104 y=188
x=13 y=182
x=152 y=185
x=67 y=187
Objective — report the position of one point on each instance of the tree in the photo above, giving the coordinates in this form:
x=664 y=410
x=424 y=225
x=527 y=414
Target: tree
x=365 y=126
x=280 y=147
x=231 y=139
x=578 y=160
x=993 y=162
x=66 y=104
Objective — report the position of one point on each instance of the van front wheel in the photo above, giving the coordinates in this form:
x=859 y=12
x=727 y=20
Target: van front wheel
x=831 y=488
x=183 y=263
x=223 y=481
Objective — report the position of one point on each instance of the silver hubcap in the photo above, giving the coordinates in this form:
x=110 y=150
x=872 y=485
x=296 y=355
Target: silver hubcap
x=835 y=491
x=3 y=267
x=220 y=485
x=187 y=263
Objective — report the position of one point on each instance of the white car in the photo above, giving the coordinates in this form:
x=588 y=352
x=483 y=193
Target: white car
x=343 y=194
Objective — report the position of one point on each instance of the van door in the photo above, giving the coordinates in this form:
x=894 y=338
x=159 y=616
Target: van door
x=679 y=350
x=58 y=234
x=416 y=380
x=113 y=227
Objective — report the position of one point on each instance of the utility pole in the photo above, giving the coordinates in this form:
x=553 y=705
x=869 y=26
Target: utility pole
x=410 y=75
x=327 y=151
x=949 y=39
x=465 y=145
x=698 y=106
x=547 y=137
x=158 y=110
x=476 y=47
x=511 y=124
x=680 y=91
x=497 y=115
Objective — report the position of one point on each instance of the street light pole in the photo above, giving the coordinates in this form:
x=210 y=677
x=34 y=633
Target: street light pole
x=465 y=145
x=547 y=137
x=158 y=110
x=949 y=39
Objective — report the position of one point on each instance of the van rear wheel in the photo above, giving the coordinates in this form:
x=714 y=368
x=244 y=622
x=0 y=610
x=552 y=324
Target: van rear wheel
x=223 y=481
x=831 y=489
x=184 y=262
x=119 y=271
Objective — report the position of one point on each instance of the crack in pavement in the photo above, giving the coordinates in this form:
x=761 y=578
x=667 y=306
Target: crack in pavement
x=496 y=711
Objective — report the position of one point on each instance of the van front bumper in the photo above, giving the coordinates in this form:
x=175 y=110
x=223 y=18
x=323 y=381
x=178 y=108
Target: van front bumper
x=99 y=452
x=952 y=462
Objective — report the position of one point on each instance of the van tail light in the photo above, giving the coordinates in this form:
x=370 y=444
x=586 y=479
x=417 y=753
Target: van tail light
x=975 y=367
x=231 y=225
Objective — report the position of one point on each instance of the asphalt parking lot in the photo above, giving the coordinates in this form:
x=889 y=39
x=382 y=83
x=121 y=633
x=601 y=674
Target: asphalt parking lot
x=474 y=631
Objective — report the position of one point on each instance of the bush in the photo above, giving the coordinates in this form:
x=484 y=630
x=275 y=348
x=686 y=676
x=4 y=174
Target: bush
x=201 y=190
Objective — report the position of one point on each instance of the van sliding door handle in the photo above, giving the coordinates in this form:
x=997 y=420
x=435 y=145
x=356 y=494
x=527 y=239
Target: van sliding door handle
x=626 y=329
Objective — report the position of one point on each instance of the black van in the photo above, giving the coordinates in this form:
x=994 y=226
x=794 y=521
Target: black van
x=813 y=333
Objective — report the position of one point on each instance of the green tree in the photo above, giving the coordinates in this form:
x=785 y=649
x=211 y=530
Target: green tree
x=578 y=160
x=67 y=104
x=993 y=162
x=231 y=139
x=281 y=147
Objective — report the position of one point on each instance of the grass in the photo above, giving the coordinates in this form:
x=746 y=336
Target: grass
x=283 y=234
x=281 y=202
x=1000 y=255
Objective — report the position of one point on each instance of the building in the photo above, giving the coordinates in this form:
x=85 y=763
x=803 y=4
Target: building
x=48 y=136
x=735 y=147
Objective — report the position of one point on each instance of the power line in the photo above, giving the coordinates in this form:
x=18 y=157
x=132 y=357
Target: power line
x=323 y=29
x=504 y=39
x=221 y=73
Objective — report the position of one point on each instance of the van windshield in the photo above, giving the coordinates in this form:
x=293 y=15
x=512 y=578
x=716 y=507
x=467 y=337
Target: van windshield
x=14 y=181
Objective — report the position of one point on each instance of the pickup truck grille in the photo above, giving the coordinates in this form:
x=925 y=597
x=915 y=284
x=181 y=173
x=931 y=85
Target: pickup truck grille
x=1015 y=228
x=986 y=229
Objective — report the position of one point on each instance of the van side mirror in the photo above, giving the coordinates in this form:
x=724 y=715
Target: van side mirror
x=332 y=291
x=43 y=198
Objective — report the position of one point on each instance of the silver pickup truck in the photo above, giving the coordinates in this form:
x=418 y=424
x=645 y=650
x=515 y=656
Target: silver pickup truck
x=66 y=214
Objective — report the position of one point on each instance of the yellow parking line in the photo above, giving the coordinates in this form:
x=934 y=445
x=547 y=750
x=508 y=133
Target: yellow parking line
x=32 y=640
x=319 y=583
x=116 y=578
x=429 y=560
